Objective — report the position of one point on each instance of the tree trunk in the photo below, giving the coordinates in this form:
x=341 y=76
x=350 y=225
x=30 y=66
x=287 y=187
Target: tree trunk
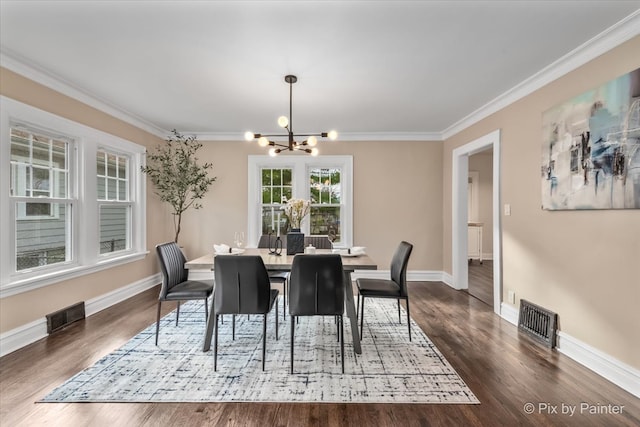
x=177 y=226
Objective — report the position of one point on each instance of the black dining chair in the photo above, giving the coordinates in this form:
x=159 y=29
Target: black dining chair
x=396 y=287
x=176 y=285
x=316 y=288
x=242 y=287
x=318 y=242
x=281 y=277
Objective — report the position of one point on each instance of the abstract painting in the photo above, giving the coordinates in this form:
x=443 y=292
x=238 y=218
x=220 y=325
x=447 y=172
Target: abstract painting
x=591 y=149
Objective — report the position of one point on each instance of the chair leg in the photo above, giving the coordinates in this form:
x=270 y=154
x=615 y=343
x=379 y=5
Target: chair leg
x=158 y=322
x=215 y=345
x=341 y=338
x=177 y=313
x=361 y=317
x=206 y=311
x=408 y=318
x=358 y=305
x=292 y=329
x=399 y=320
x=284 y=300
x=264 y=339
x=233 y=327
x=277 y=321
x=337 y=320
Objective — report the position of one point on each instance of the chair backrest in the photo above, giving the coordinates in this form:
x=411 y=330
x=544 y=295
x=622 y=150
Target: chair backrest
x=242 y=285
x=264 y=241
x=172 y=264
x=399 y=266
x=316 y=285
x=318 y=242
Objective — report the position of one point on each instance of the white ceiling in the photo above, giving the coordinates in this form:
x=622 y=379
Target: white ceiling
x=374 y=68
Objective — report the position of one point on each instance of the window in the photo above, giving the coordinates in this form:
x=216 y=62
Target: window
x=325 y=189
x=76 y=199
x=324 y=180
x=114 y=206
x=41 y=196
x=277 y=188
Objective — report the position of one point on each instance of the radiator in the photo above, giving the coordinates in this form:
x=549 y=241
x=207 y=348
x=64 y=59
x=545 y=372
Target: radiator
x=538 y=322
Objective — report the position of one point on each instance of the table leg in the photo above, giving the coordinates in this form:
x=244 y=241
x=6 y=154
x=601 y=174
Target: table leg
x=351 y=311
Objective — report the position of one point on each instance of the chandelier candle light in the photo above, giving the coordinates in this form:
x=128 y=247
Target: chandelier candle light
x=286 y=123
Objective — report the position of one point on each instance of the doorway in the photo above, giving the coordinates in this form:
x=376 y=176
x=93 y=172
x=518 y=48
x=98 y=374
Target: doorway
x=460 y=214
x=480 y=229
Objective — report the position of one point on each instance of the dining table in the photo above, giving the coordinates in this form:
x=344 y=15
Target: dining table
x=283 y=262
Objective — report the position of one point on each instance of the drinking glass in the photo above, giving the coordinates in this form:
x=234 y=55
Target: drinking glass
x=238 y=239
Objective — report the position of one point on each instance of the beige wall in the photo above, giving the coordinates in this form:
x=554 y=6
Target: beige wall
x=34 y=305
x=397 y=196
x=581 y=264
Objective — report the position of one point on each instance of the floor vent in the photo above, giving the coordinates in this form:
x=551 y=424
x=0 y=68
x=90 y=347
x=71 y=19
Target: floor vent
x=64 y=317
x=538 y=323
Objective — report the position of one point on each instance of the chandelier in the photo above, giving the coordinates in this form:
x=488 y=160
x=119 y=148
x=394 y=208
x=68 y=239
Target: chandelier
x=286 y=123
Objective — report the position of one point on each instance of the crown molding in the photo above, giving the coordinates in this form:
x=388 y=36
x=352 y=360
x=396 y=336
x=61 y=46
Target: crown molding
x=13 y=62
x=613 y=36
x=390 y=136
x=342 y=137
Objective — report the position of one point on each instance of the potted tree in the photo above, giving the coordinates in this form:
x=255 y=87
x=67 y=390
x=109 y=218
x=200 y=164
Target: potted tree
x=176 y=175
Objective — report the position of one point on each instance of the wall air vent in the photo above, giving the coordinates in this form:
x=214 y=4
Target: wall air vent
x=538 y=322
x=65 y=317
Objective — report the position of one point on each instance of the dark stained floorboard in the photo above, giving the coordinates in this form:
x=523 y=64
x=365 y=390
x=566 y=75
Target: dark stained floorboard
x=502 y=368
x=481 y=281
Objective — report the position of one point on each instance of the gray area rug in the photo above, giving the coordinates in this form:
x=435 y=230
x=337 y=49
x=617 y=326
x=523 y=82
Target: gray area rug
x=390 y=369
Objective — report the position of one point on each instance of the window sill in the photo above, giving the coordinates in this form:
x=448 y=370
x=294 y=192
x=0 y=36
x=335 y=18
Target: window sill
x=15 y=287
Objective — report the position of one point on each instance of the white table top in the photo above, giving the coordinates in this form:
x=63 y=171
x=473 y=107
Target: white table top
x=284 y=261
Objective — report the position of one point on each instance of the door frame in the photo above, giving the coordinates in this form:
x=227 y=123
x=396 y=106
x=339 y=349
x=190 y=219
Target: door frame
x=459 y=219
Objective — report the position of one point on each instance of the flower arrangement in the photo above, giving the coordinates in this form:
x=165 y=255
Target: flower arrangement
x=295 y=210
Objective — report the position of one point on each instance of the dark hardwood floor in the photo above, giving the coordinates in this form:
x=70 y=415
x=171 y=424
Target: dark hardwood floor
x=505 y=371
x=481 y=280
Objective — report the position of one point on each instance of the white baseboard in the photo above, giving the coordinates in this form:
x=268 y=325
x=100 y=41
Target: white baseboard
x=23 y=335
x=447 y=279
x=101 y=302
x=200 y=274
x=412 y=275
x=509 y=313
x=601 y=363
x=26 y=334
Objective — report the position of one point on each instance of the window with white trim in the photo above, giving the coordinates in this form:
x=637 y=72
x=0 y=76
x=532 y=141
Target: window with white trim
x=277 y=188
x=325 y=188
x=324 y=180
x=75 y=198
x=42 y=200
x=114 y=206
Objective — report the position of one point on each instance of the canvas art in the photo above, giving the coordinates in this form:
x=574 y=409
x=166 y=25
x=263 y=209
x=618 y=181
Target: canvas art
x=591 y=149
